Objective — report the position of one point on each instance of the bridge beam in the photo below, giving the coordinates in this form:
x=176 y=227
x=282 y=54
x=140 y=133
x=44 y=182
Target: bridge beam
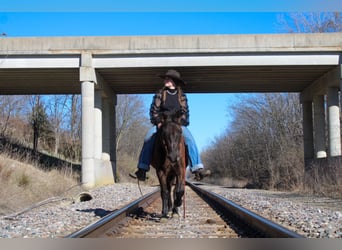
x=320 y=85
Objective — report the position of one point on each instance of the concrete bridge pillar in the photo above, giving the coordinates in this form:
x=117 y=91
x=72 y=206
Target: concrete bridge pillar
x=334 y=130
x=98 y=125
x=99 y=116
x=319 y=127
x=88 y=178
x=106 y=174
x=322 y=138
x=308 y=130
x=98 y=137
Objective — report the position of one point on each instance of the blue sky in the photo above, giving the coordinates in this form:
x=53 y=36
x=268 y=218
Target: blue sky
x=23 y=18
x=135 y=23
x=170 y=5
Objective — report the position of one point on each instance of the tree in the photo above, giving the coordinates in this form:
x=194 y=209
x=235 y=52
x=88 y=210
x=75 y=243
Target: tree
x=39 y=121
x=10 y=109
x=75 y=125
x=309 y=22
x=57 y=105
x=131 y=124
x=71 y=142
x=264 y=135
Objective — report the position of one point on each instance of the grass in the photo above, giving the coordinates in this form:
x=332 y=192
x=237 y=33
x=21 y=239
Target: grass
x=126 y=164
x=24 y=183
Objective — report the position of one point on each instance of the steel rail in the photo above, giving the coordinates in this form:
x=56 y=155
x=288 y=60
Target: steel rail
x=268 y=228
x=99 y=228
x=229 y=209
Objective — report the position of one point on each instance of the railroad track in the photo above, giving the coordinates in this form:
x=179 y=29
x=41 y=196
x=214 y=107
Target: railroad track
x=204 y=215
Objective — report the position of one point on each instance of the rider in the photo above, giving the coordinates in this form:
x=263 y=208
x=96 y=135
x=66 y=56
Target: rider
x=170 y=97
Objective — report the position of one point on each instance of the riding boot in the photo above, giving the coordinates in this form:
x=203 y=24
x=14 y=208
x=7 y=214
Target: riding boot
x=140 y=174
x=200 y=174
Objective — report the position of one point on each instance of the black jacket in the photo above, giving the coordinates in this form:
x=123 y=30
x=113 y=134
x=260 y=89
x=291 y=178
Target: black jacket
x=159 y=99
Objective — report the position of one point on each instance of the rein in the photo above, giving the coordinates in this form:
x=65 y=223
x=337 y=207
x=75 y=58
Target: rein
x=184 y=191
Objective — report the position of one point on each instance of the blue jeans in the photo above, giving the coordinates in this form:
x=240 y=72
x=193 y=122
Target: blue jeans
x=146 y=153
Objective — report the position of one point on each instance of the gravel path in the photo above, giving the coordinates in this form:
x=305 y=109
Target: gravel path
x=58 y=219
x=310 y=216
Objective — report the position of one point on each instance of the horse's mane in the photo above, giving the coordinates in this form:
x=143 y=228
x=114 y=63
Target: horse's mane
x=171 y=116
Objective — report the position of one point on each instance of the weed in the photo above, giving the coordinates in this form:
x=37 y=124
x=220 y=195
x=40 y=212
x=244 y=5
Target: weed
x=23 y=184
x=23 y=180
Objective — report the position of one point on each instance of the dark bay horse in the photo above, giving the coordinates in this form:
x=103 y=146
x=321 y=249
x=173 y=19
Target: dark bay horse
x=169 y=160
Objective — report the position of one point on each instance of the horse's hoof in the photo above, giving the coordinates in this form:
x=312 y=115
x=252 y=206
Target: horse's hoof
x=164 y=220
x=175 y=215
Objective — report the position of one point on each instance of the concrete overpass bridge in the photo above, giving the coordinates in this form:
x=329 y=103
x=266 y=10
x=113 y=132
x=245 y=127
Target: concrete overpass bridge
x=99 y=68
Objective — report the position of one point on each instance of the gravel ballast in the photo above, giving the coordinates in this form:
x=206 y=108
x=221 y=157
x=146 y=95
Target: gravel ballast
x=309 y=216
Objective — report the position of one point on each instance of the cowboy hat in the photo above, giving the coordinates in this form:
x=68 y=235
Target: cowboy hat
x=174 y=75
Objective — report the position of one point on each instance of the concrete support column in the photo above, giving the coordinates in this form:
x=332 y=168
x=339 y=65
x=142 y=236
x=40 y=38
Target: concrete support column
x=87 y=91
x=109 y=152
x=112 y=134
x=98 y=115
x=106 y=130
x=334 y=122
x=109 y=138
x=308 y=130
x=98 y=125
x=319 y=125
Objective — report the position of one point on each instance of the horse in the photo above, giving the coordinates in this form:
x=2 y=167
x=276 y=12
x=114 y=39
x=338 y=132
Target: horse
x=169 y=159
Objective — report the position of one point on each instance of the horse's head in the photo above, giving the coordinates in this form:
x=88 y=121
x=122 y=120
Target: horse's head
x=171 y=134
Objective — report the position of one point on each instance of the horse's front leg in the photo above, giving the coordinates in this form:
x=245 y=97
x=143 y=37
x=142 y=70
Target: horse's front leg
x=169 y=183
x=179 y=192
x=165 y=194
